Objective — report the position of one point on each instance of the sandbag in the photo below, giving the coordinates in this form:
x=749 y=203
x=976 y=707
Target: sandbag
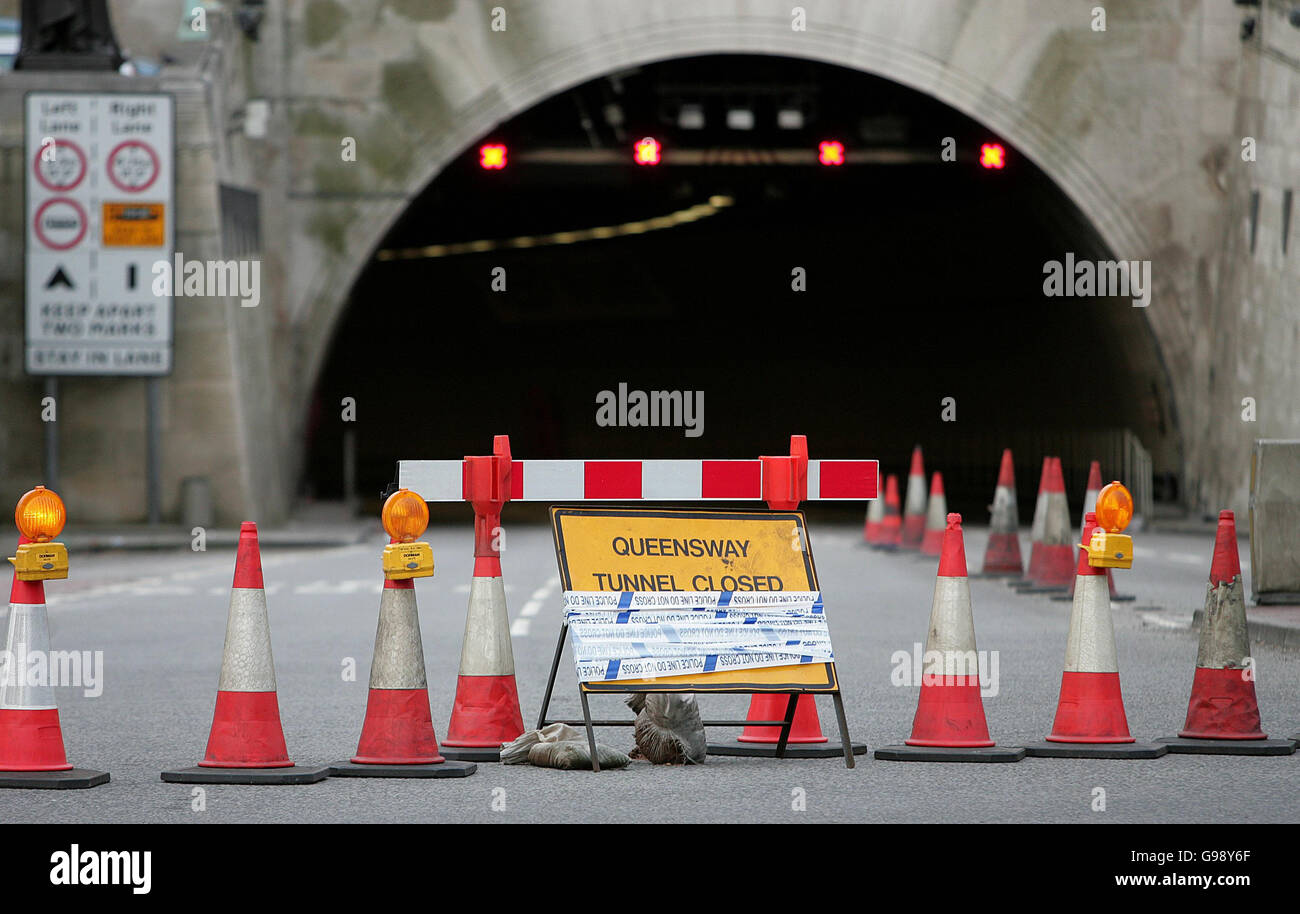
x=573 y=754
x=668 y=728
x=516 y=752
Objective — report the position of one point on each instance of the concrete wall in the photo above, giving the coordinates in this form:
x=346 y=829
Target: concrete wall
x=219 y=413
x=1140 y=125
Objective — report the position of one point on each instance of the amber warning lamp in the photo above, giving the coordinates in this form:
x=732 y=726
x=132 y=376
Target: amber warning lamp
x=405 y=516
x=1109 y=547
x=40 y=517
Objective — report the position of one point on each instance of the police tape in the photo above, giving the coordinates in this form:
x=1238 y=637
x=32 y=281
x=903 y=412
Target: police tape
x=649 y=668
x=642 y=635
x=709 y=599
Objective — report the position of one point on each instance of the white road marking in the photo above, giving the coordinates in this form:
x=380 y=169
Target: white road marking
x=520 y=627
x=531 y=608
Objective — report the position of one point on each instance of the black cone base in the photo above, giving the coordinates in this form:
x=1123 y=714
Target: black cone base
x=1048 y=749
x=72 y=779
x=1182 y=745
x=298 y=774
x=1041 y=588
x=441 y=770
x=792 y=750
x=471 y=753
x=905 y=753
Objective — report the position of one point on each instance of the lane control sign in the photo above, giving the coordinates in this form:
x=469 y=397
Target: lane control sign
x=100 y=213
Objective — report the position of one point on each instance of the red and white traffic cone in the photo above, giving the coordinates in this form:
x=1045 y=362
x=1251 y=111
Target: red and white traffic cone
x=1002 y=553
x=949 y=725
x=31 y=738
x=1223 y=714
x=914 y=503
x=1051 y=564
x=1036 y=527
x=891 y=525
x=1090 y=719
x=397 y=737
x=871 y=530
x=1090 y=505
x=486 y=712
x=936 y=511
x=246 y=744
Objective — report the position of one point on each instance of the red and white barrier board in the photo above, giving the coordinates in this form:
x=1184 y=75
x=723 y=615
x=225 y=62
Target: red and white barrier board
x=641 y=480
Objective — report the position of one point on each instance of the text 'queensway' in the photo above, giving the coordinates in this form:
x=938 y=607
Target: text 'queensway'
x=664 y=546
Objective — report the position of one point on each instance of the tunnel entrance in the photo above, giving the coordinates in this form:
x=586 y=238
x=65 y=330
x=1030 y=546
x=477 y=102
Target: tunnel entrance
x=921 y=317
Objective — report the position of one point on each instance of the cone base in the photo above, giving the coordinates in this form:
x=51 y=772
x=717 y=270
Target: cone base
x=472 y=753
x=70 y=779
x=1047 y=749
x=298 y=774
x=1185 y=746
x=444 y=769
x=768 y=750
x=998 y=573
x=905 y=753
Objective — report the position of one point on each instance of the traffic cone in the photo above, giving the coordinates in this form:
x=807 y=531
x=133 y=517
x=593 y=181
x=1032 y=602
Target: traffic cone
x=31 y=738
x=891 y=525
x=1036 y=527
x=935 y=512
x=1002 y=554
x=397 y=738
x=949 y=725
x=246 y=744
x=1089 y=505
x=1223 y=715
x=486 y=712
x=871 y=530
x=1052 y=560
x=914 y=503
x=1090 y=719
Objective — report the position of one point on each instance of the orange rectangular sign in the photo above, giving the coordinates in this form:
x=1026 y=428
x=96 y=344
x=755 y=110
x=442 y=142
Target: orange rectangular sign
x=134 y=225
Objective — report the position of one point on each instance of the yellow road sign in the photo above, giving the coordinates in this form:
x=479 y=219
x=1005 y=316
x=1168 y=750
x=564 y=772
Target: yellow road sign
x=657 y=549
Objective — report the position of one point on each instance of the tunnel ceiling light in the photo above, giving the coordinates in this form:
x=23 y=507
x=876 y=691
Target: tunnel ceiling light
x=492 y=156
x=647 y=151
x=830 y=152
x=789 y=119
x=993 y=156
x=740 y=119
x=690 y=117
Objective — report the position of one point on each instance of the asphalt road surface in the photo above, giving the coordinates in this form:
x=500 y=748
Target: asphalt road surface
x=159 y=619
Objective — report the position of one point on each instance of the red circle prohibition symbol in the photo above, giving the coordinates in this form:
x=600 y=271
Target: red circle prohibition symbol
x=153 y=157
x=41 y=212
x=49 y=185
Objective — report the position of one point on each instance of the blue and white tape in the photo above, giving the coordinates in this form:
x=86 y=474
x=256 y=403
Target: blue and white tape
x=645 y=635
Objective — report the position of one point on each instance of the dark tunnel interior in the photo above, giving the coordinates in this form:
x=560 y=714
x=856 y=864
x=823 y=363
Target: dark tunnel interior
x=924 y=281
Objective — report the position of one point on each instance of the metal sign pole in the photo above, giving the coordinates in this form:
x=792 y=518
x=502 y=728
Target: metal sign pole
x=153 y=450
x=52 y=436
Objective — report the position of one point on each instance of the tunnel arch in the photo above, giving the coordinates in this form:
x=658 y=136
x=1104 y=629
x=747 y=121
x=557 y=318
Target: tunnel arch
x=576 y=57
x=585 y=56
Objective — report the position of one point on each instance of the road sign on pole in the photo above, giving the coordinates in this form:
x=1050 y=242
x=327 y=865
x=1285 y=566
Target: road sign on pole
x=100 y=213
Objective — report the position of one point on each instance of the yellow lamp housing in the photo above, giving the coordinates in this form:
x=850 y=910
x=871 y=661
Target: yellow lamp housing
x=40 y=561
x=1110 y=550
x=408 y=560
